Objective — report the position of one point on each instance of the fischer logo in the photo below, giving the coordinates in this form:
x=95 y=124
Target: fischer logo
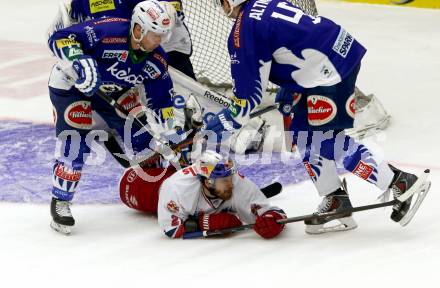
x=321 y=110
x=121 y=55
x=125 y=75
x=79 y=115
x=350 y=106
x=216 y=99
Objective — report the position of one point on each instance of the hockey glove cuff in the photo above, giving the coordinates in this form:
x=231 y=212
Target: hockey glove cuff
x=89 y=79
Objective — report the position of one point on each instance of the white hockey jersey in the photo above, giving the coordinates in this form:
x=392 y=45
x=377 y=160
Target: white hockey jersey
x=181 y=196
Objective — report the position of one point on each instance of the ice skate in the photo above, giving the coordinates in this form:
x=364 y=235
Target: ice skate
x=334 y=202
x=402 y=182
x=62 y=220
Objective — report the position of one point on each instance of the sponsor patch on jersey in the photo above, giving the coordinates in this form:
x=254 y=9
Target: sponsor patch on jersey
x=110 y=20
x=131 y=176
x=161 y=59
x=101 y=5
x=114 y=40
x=123 y=75
x=121 y=55
x=66 y=173
x=176 y=5
x=233 y=58
x=350 y=106
x=167 y=112
x=309 y=169
x=237 y=30
x=321 y=110
x=91 y=35
x=239 y=102
x=363 y=170
x=61 y=43
x=129 y=101
x=343 y=43
x=79 y=115
x=172 y=207
x=72 y=52
x=152 y=70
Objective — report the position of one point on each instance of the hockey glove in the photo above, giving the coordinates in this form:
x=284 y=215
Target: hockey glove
x=89 y=79
x=217 y=221
x=222 y=122
x=266 y=225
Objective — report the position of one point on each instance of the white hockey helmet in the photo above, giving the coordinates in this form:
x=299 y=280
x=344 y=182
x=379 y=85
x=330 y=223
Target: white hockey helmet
x=212 y=165
x=155 y=16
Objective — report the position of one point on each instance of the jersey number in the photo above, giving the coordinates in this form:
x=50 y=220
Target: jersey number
x=298 y=14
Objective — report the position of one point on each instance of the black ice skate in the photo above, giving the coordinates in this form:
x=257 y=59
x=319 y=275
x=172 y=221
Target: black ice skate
x=403 y=212
x=334 y=202
x=62 y=220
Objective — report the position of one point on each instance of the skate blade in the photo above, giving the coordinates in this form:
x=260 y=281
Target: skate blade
x=345 y=224
x=63 y=229
x=421 y=194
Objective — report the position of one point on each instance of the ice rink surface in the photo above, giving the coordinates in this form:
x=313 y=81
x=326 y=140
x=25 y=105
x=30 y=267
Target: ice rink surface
x=113 y=246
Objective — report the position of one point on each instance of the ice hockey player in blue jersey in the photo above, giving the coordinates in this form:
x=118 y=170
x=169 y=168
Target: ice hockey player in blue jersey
x=112 y=55
x=274 y=40
x=178 y=48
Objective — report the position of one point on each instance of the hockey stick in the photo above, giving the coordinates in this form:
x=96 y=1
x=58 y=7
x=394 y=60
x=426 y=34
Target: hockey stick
x=402 y=198
x=150 y=159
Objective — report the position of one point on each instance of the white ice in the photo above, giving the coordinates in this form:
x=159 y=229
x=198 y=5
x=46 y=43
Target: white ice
x=114 y=246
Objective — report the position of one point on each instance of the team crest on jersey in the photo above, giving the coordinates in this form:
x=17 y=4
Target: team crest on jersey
x=321 y=110
x=350 y=106
x=108 y=87
x=79 y=115
x=152 y=70
x=363 y=170
x=172 y=207
x=114 y=40
x=129 y=101
x=121 y=55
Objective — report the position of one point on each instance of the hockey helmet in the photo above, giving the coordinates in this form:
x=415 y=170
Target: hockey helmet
x=212 y=165
x=155 y=16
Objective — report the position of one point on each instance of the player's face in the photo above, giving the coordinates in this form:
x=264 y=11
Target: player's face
x=151 y=41
x=223 y=187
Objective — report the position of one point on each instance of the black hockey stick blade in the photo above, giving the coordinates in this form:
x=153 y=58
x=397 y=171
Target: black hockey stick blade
x=272 y=189
x=115 y=149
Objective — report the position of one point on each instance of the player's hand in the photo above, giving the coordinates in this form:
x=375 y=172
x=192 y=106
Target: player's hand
x=266 y=225
x=222 y=122
x=217 y=221
x=88 y=75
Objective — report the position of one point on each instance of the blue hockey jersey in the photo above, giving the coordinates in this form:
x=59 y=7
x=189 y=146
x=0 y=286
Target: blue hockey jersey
x=274 y=40
x=107 y=40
